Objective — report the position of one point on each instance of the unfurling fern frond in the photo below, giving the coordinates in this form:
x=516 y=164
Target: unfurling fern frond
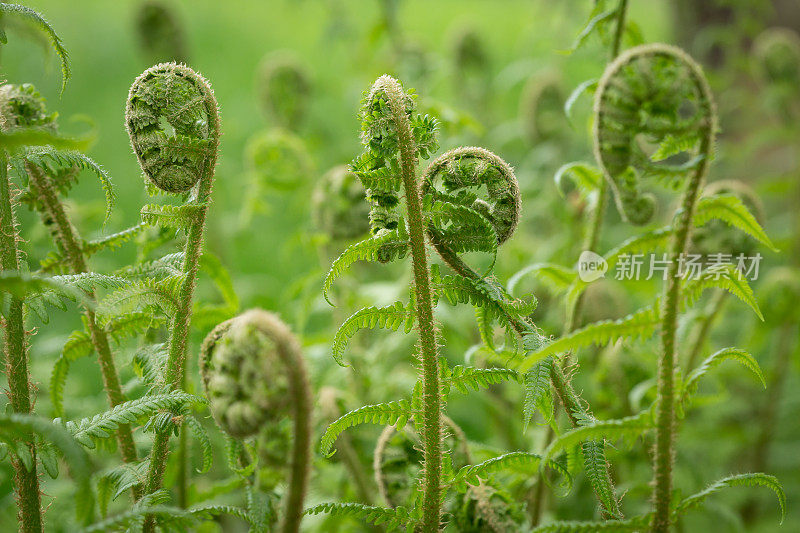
x=104 y=425
x=587 y=178
x=737 y=480
x=723 y=276
x=180 y=217
x=25 y=20
x=113 y=241
x=383 y=247
x=395 y=412
x=512 y=461
x=392 y=519
x=730 y=209
x=138 y=294
x=390 y=317
x=713 y=360
x=638 y=325
x=658 y=92
x=463 y=171
x=339 y=205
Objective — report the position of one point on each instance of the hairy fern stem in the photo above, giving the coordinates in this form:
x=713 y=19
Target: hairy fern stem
x=26 y=480
x=68 y=243
x=428 y=349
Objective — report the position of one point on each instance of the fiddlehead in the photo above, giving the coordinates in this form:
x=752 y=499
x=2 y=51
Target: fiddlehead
x=173 y=124
x=284 y=88
x=253 y=372
x=338 y=205
x=660 y=92
x=464 y=172
x=651 y=94
x=160 y=33
x=177 y=95
x=541 y=107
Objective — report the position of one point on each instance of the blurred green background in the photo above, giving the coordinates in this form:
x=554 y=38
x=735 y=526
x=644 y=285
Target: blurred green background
x=278 y=260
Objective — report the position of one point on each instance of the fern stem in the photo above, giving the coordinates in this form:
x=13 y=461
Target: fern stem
x=665 y=401
x=431 y=393
x=26 y=481
x=181 y=320
x=68 y=242
x=620 y=30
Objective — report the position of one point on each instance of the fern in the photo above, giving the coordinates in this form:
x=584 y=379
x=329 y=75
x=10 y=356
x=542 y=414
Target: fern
x=18 y=426
x=737 y=480
x=538 y=393
x=715 y=359
x=514 y=461
x=149 y=364
x=464 y=378
x=391 y=317
x=586 y=177
x=115 y=481
x=723 y=276
x=730 y=209
x=395 y=412
x=628 y=428
x=640 y=324
x=162 y=294
x=180 y=217
x=87 y=431
x=113 y=241
x=32 y=23
x=631 y=524
x=376 y=248
x=556 y=277
x=202 y=438
x=392 y=519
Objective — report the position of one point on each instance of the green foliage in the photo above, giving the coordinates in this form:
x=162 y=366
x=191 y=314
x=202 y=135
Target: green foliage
x=391 y=317
x=399 y=517
x=396 y=412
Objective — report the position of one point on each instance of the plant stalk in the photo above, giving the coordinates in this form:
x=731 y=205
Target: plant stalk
x=26 y=482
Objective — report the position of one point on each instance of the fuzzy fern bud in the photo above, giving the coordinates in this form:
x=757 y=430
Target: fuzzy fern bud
x=173 y=124
x=651 y=94
x=160 y=33
x=23 y=106
x=283 y=88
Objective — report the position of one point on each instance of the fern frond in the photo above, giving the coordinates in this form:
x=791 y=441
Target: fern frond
x=113 y=241
x=587 y=178
x=643 y=243
x=737 y=480
x=464 y=378
x=723 y=276
x=611 y=526
x=376 y=248
x=391 y=317
x=149 y=363
x=715 y=359
x=392 y=519
x=640 y=324
x=55 y=162
x=514 y=461
x=104 y=425
x=202 y=438
x=20 y=426
x=383 y=414
x=628 y=428
x=217 y=510
x=462 y=229
x=162 y=294
x=118 y=480
x=730 y=209
x=32 y=23
x=538 y=393
x=180 y=217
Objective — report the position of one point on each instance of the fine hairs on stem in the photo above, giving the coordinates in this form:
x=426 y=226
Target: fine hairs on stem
x=240 y=360
x=69 y=245
x=621 y=89
x=179 y=162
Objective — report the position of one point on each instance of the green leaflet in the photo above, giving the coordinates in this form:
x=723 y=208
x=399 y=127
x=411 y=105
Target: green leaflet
x=181 y=217
x=375 y=248
x=748 y=480
x=730 y=209
x=382 y=413
x=391 y=317
x=522 y=462
x=392 y=519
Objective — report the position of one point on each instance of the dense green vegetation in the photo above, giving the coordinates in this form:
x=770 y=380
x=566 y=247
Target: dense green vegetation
x=394 y=265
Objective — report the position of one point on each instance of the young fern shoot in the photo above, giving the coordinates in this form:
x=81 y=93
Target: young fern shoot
x=242 y=362
x=659 y=79
x=181 y=162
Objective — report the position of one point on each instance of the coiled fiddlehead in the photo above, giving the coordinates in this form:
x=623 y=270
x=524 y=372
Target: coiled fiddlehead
x=252 y=370
x=338 y=205
x=541 y=107
x=777 y=55
x=160 y=33
x=173 y=97
x=660 y=92
x=657 y=94
x=175 y=163
x=283 y=88
x=463 y=172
